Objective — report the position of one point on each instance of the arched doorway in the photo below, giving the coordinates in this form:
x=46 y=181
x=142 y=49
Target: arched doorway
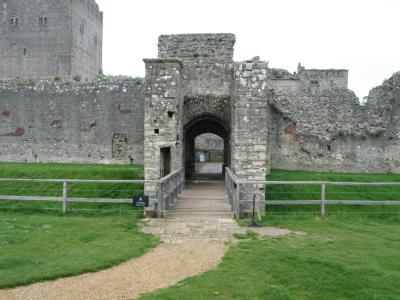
x=201 y=125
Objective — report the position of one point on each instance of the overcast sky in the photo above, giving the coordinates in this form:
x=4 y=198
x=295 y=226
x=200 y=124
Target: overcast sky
x=359 y=35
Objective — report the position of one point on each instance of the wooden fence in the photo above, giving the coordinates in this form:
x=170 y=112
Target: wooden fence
x=168 y=189
x=239 y=195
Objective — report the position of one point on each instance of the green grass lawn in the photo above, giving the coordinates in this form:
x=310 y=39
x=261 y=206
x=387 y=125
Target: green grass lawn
x=71 y=171
x=38 y=243
x=310 y=192
x=352 y=254
x=339 y=258
x=36 y=246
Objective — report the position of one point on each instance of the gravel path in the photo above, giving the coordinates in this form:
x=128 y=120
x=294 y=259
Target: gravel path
x=164 y=266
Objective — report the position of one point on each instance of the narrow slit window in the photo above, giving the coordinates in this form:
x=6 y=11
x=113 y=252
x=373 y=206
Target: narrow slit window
x=82 y=28
x=25 y=51
x=14 y=21
x=43 y=21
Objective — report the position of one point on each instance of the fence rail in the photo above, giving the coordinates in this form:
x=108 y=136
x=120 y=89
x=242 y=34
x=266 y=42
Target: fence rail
x=235 y=186
x=169 y=187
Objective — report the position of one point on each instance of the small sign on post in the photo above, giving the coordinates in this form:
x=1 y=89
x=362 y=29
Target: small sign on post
x=141 y=201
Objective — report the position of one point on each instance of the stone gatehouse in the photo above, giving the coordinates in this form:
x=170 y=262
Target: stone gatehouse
x=267 y=118
x=308 y=120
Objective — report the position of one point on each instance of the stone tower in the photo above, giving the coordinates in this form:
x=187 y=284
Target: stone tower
x=48 y=38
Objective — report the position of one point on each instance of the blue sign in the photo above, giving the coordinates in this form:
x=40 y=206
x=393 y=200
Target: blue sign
x=141 y=201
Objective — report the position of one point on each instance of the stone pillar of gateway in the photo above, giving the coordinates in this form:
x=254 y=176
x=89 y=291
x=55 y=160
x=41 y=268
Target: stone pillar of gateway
x=251 y=123
x=162 y=121
x=195 y=87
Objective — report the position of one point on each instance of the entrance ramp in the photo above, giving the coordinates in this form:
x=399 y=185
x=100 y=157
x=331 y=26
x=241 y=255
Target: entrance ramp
x=202 y=199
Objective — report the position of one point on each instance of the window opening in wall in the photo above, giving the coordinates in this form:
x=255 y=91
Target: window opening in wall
x=95 y=39
x=165 y=161
x=156 y=131
x=24 y=51
x=14 y=21
x=43 y=21
x=171 y=114
x=329 y=148
x=82 y=28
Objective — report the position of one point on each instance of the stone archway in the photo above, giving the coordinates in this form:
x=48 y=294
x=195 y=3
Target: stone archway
x=200 y=125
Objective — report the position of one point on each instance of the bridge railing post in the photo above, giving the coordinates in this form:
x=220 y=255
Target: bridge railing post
x=237 y=201
x=160 y=195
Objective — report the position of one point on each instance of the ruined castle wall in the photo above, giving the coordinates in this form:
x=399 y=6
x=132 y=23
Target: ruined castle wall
x=71 y=123
x=209 y=141
x=325 y=79
x=324 y=129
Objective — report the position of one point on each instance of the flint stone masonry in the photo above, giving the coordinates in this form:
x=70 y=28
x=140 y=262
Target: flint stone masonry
x=49 y=38
x=207 y=141
x=71 y=122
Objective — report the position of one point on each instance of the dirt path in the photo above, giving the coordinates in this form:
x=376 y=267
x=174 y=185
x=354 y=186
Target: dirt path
x=164 y=266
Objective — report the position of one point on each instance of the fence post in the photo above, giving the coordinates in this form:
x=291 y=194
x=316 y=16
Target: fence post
x=179 y=183
x=65 y=195
x=323 y=187
x=160 y=199
x=237 y=200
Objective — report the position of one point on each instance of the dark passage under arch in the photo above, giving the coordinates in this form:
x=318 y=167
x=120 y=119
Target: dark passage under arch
x=201 y=125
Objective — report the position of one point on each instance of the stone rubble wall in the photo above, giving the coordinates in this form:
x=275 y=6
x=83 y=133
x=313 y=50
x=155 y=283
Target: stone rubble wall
x=71 y=122
x=189 y=47
x=209 y=141
x=328 y=130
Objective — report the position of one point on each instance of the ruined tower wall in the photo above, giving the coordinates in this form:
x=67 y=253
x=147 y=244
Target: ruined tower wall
x=70 y=122
x=326 y=129
x=44 y=39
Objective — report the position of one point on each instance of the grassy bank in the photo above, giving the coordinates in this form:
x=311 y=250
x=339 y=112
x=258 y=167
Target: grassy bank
x=38 y=243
